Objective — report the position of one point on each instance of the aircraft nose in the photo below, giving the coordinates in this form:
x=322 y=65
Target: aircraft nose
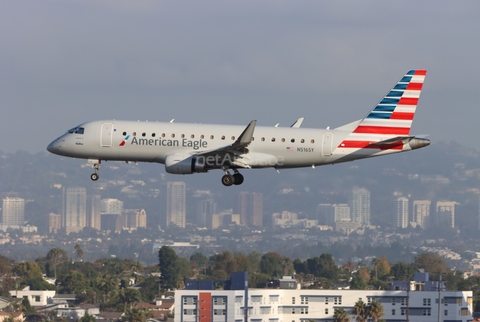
x=54 y=146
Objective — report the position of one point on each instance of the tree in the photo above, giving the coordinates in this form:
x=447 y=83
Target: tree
x=375 y=310
x=323 y=266
x=87 y=318
x=129 y=297
x=149 y=289
x=341 y=315
x=169 y=268
x=27 y=270
x=26 y=307
x=276 y=265
x=402 y=271
x=135 y=315
x=56 y=256
x=254 y=259
x=358 y=283
x=198 y=261
x=73 y=282
x=383 y=267
x=79 y=252
x=361 y=311
x=431 y=263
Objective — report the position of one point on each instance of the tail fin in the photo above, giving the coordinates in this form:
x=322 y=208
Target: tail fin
x=394 y=114
x=392 y=117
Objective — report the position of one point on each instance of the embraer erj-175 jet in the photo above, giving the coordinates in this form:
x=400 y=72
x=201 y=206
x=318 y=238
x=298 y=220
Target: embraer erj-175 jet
x=192 y=148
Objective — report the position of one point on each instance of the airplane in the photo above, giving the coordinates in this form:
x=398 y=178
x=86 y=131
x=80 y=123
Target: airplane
x=195 y=148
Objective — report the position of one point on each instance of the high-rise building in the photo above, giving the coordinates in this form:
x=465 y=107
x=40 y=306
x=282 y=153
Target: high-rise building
x=206 y=208
x=402 y=212
x=176 y=212
x=359 y=202
x=241 y=206
x=249 y=206
x=142 y=219
x=94 y=205
x=446 y=214
x=256 y=212
x=134 y=218
x=325 y=214
x=112 y=222
x=421 y=212
x=13 y=211
x=328 y=214
x=54 y=222
x=75 y=209
x=112 y=206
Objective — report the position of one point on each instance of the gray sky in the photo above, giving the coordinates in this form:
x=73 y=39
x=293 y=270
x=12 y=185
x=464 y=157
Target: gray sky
x=66 y=62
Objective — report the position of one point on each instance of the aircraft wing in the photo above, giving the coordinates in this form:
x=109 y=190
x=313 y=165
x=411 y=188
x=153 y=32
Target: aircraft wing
x=236 y=148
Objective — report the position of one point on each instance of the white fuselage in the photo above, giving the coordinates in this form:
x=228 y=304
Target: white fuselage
x=154 y=141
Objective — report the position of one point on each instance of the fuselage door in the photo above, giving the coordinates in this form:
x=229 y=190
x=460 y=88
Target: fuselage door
x=327 y=143
x=106 y=135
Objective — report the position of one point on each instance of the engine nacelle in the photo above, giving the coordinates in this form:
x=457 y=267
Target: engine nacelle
x=178 y=163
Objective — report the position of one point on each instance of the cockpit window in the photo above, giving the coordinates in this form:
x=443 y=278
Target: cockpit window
x=77 y=130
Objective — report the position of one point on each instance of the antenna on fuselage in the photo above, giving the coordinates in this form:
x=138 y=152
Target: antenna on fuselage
x=171 y=121
x=276 y=125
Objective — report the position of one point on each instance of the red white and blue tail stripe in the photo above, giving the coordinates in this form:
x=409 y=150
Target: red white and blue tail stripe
x=391 y=118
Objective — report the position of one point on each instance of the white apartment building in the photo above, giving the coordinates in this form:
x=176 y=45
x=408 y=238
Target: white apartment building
x=36 y=298
x=205 y=303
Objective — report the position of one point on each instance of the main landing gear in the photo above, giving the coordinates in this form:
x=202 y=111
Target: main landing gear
x=96 y=166
x=230 y=179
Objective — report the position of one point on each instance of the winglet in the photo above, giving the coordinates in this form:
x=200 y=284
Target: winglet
x=247 y=135
x=298 y=123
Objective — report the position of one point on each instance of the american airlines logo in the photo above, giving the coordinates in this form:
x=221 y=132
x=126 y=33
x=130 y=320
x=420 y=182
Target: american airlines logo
x=125 y=140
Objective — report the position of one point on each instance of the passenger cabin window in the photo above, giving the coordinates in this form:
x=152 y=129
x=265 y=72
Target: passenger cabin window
x=153 y=135
x=202 y=136
x=143 y=134
x=223 y=137
x=134 y=133
x=292 y=140
x=211 y=137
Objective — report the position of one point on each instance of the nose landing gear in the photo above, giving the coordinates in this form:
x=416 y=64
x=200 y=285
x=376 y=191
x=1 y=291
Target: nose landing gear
x=96 y=165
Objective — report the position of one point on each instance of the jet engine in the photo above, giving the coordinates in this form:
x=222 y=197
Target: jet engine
x=178 y=163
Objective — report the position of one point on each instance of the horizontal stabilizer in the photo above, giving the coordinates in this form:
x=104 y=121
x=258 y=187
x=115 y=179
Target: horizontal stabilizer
x=403 y=139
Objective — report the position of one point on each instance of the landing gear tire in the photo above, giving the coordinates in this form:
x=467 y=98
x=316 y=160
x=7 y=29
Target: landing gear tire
x=238 y=179
x=94 y=176
x=228 y=180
